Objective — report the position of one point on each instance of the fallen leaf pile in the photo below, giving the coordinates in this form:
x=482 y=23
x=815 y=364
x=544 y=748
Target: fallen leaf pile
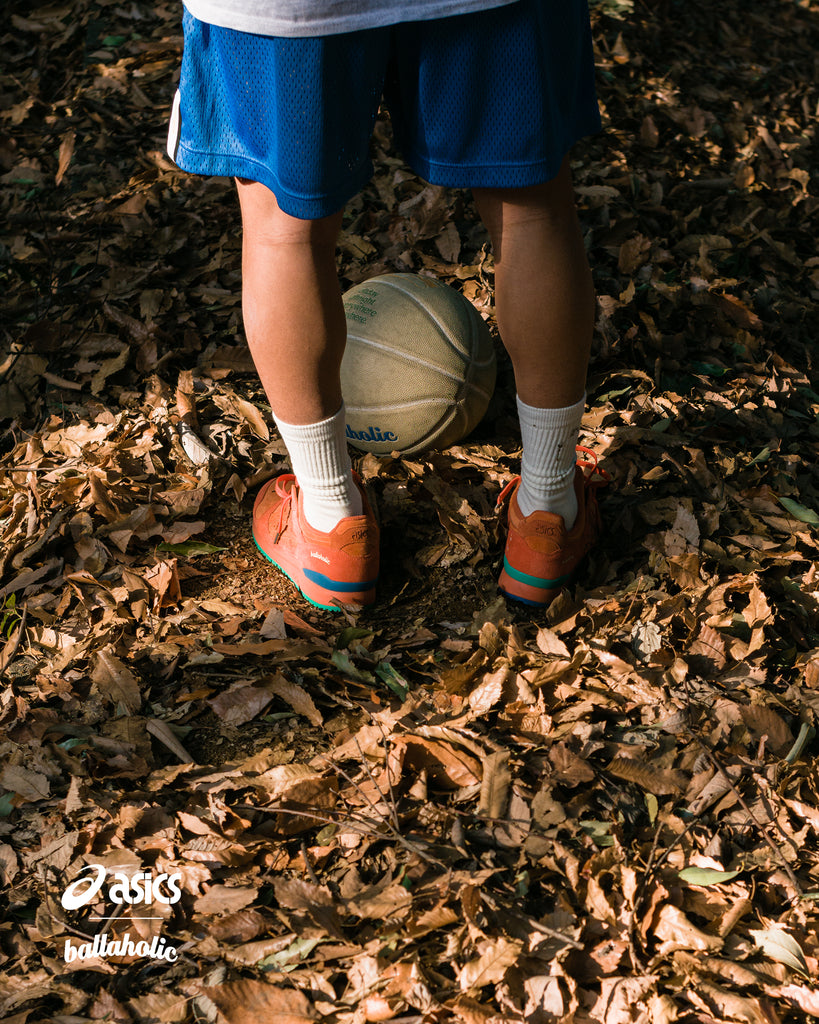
x=446 y=808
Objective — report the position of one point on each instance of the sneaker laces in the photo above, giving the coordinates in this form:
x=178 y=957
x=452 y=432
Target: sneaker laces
x=593 y=465
x=588 y=478
x=286 y=489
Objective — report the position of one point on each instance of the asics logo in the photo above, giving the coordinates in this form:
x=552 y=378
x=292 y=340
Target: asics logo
x=141 y=887
x=547 y=531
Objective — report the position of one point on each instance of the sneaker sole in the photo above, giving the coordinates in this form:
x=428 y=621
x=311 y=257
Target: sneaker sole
x=313 y=592
x=537 y=593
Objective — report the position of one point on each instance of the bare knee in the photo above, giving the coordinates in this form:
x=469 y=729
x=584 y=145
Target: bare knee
x=265 y=223
x=509 y=209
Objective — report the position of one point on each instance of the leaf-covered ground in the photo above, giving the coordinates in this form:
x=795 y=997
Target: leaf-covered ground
x=445 y=808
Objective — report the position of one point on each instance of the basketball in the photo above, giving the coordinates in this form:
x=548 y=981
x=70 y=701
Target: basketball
x=419 y=368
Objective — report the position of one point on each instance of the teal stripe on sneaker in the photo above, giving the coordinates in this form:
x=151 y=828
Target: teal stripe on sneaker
x=315 y=604
x=343 y=588
x=534 y=581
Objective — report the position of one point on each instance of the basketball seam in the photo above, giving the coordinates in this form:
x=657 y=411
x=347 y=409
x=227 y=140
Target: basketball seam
x=422 y=362
x=440 y=429
x=393 y=406
x=438 y=323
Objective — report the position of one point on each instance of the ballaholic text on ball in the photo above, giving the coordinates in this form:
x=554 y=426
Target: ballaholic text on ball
x=102 y=947
x=371 y=434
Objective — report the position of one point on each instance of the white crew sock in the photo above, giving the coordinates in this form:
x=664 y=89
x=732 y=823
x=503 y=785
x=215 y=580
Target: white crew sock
x=319 y=457
x=549 y=437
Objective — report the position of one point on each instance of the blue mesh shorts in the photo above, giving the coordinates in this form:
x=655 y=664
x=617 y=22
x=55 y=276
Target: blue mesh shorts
x=493 y=100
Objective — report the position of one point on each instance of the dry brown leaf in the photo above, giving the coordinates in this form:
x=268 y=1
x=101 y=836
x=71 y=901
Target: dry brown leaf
x=598 y=902
x=106 y=1007
x=807 y=999
x=66 y=153
x=757 y=612
x=163 y=1006
x=488 y=691
x=164 y=733
x=164 y=579
x=649 y=136
x=544 y=997
x=622 y=1000
x=240 y=927
x=316 y=901
x=249 y=1002
x=762 y=720
x=684 y=534
x=733 y=1006
x=633 y=253
x=606 y=955
x=550 y=643
x=448 y=243
x=709 y=788
x=735 y=308
x=446 y=765
x=251 y=415
x=660 y=781
x=294 y=782
x=225 y=899
x=379 y=902
x=675 y=931
x=495 y=959
x=28 y=784
x=273 y=627
x=709 y=648
x=495 y=784
x=240 y=703
x=294 y=695
x=250 y=953
x=186 y=400
x=108 y=368
x=569 y=769
x=116 y=682
x=8 y=863
x=438 y=917
x=470 y=1011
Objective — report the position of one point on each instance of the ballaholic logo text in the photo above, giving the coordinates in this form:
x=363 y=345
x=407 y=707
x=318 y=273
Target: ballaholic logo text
x=371 y=434
x=156 y=949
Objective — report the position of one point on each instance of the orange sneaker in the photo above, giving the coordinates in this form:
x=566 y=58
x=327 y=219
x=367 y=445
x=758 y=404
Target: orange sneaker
x=339 y=567
x=541 y=554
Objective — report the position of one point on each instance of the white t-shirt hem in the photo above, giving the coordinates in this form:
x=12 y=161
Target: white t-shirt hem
x=305 y=18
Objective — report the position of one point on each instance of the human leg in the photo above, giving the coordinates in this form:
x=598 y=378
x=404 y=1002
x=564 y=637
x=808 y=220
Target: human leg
x=296 y=331
x=544 y=297
x=256 y=108
x=544 y=300
x=494 y=104
x=291 y=303
x=315 y=524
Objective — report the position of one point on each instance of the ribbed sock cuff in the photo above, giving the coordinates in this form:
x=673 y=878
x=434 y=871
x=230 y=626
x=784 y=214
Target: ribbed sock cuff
x=320 y=460
x=549 y=438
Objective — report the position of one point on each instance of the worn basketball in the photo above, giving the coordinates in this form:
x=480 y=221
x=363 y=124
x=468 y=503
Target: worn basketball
x=419 y=368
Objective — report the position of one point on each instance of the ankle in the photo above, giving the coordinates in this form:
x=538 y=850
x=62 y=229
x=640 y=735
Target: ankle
x=549 y=438
x=320 y=460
